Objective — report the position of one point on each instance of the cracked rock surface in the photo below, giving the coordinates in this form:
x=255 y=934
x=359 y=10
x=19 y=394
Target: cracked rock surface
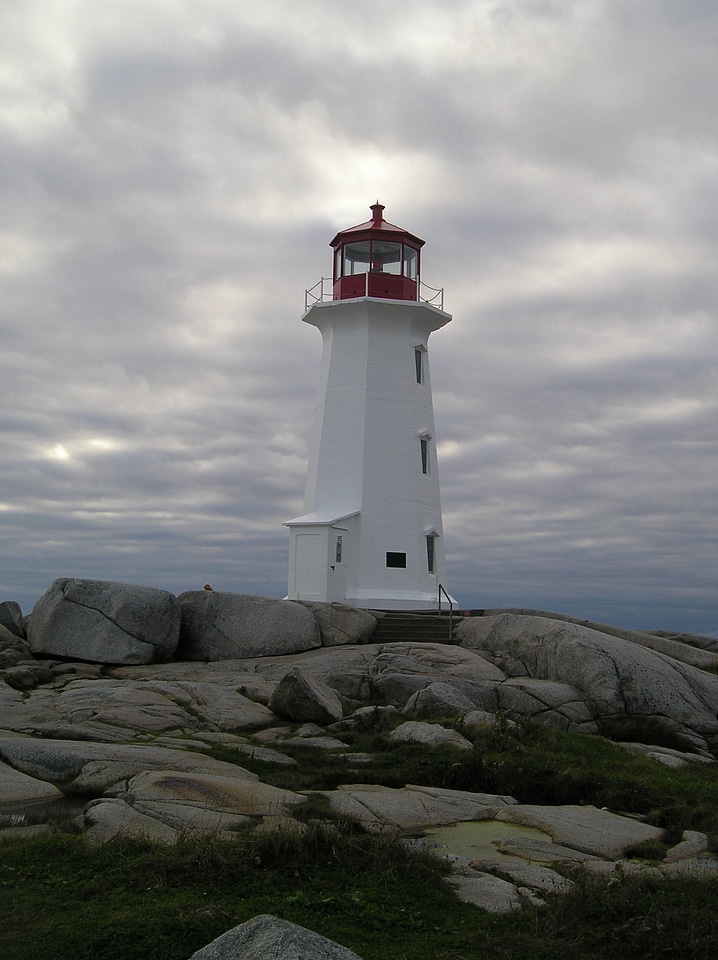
x=105 y=621
x=123 y=724
x=612 y=676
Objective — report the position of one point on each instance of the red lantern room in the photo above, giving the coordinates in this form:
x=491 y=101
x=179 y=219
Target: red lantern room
x=376 y=259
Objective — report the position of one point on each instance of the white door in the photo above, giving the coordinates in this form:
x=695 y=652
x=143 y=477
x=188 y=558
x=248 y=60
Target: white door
x=310 y=566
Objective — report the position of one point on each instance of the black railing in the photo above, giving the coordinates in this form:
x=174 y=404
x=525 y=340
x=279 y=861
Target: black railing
x=451 y=609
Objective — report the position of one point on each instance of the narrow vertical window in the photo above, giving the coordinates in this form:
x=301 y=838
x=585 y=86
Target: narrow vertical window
x=338 y=552
x=419 y=364
x=424 y=454
x=410 y=262
x=430 y=552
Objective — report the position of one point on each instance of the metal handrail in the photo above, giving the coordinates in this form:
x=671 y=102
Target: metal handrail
x=451 y=609
x=319 y=293
x=437 y=298
x=311 y=296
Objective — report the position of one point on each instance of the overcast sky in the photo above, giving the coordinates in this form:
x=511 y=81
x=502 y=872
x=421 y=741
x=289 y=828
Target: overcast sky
x=171 y=174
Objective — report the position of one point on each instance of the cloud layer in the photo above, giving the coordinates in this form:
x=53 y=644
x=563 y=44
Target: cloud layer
x=170 y=178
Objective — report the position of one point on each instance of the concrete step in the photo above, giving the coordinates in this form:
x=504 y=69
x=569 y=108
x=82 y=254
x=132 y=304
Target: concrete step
x=393 y=627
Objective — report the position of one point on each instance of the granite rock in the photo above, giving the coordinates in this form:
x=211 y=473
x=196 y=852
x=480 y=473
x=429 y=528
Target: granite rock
x=612 y=675
x=268 y=938
x=340 y=624
x=226 y=626
x=300 y=696
x=105 y=622
x=430 y=735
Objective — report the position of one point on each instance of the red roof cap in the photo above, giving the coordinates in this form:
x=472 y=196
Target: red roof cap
x=377 y=225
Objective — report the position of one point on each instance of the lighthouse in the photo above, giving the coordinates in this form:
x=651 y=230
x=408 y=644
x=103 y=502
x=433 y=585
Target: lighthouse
x=371 y=534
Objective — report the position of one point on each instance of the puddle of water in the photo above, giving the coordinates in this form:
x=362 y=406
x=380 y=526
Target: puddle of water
x=476 y=839
x=30 y=814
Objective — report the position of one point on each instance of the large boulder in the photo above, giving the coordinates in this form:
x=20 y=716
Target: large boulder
x=430 y=735
x=339 y=624
x=231 y=626
x=11 y=617
x=105 y=622
x=300 y=696
x=439 y=699
x=613 y=675
x=268 y=938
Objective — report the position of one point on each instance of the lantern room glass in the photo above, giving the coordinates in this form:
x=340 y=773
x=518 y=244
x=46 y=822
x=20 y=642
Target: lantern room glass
x=356 y=258
x=385 y=257
x=376 y=256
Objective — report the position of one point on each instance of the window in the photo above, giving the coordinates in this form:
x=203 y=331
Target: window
x=419 y=364
x=396 y=559
x=338 y=552
x=356 y=258
x=337 y=263
x=376 y=256
x=425 y=454
x=430 y=552
x=410 y=262
x=385 y=257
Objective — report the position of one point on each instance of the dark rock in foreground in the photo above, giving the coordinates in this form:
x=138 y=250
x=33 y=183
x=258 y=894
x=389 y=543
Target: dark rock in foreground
x=268 y=938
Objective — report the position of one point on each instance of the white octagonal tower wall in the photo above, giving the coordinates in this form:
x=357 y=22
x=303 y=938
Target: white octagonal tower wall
x=372 y=497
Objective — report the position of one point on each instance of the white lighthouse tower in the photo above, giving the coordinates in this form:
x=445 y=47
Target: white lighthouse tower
x=371 y=533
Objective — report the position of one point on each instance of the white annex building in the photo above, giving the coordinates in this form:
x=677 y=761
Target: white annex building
x=371 y=533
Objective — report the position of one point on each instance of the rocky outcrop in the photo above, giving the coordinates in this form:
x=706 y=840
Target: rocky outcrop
x=138 y=735
x=413 y=807
x=699 y=651
x=18 y=787
x=166 y=788
x=390 y=673
x=184 y=803
x=599 y=833
x=268 y=938
x=226 y=626
x=80 y=767
x=105 y=622
x=613 y=677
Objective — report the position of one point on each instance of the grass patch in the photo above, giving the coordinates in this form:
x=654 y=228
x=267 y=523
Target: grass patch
x=651 y=850
x=63 y=898
x=651 y=730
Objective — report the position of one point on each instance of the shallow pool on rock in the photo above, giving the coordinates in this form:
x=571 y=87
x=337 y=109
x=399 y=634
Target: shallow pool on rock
x=476 y=838
x=37 y=812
